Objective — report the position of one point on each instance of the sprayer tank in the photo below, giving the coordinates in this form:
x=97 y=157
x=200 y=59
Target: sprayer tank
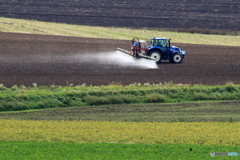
x=143 y=46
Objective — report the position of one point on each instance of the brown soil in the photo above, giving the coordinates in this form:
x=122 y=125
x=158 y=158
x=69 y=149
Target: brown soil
x=46 y=60
x=217 y=14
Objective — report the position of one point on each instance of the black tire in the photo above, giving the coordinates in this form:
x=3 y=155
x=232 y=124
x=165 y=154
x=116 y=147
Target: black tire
x=156 y=55
x=176 y=58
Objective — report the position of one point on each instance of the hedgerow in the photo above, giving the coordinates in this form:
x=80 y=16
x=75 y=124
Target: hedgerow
x=36 y=97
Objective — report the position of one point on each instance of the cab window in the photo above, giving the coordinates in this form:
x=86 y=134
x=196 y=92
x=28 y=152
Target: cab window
x=159 y=42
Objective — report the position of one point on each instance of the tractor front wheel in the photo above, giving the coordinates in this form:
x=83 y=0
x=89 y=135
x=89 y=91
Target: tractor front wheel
x=176 y=58
x=156 y=56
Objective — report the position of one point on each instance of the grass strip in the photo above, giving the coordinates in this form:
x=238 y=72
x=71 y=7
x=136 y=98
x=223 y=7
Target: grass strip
x=108 y=151
x=47 y=28
x=22 y=98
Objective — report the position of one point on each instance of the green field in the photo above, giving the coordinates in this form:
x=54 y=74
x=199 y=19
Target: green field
x=47 y=28
x=108 y=151
x=161 y=108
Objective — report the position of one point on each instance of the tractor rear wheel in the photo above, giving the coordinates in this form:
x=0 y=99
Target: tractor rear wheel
x=176 y=58
x=156 y=55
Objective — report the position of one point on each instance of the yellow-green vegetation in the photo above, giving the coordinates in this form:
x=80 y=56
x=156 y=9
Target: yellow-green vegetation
x=202 y=133
x=47 y=28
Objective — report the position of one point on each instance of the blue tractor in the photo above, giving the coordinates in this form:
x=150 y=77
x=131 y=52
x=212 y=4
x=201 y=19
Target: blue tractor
x=160 y=49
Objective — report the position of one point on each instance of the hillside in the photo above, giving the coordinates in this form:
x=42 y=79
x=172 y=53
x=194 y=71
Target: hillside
x=218 y=14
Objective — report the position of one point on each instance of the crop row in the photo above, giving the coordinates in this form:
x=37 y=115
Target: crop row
x=203 y=133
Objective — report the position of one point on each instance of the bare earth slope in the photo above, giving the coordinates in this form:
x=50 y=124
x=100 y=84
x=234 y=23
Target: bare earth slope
x=46 y=60
x=217 y=14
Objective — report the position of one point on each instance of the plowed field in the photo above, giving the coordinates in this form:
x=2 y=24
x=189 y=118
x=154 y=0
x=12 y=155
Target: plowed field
x=217 y=14
x=46 y=60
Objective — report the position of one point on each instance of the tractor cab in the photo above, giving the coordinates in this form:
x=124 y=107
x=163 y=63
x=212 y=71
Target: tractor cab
x=162 y=43
x=161 y=49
